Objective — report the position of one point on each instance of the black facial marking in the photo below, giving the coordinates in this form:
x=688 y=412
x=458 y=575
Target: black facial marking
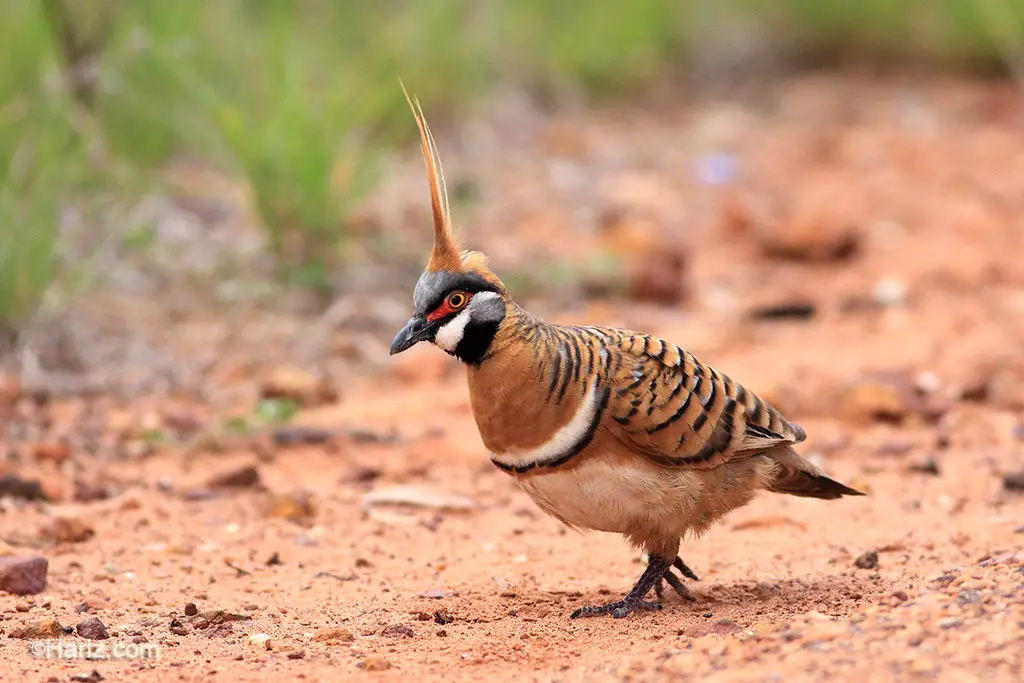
x=475 y=342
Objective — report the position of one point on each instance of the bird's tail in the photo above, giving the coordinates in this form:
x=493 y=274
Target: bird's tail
x=798 y=477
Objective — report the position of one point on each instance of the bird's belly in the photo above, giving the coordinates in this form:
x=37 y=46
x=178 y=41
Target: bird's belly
x=614 y=496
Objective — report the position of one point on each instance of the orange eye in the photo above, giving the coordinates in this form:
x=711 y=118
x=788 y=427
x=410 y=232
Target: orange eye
x=457 y=300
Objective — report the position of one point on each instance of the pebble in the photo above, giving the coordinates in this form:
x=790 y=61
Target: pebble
x=190 y=609
x=67 y=530
x=92 y=628
x=926 y=466
x=297 y=506
x=260 y=641
x=13 y=486
x=23 y=575
x=375 y=663
x=219 y=616
x=334 y=635
x=45 y=628
x=242 y=477
x=868 y=560
x=1014 y=481
x=397 y=631
x=292 y=382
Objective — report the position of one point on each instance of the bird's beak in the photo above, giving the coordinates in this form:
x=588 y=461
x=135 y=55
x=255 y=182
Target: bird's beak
x=415 y=331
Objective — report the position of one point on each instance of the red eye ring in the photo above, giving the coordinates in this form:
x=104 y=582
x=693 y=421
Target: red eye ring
x=453 y=302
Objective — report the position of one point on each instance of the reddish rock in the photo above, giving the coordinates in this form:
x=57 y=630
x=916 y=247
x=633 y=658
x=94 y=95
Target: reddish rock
x=23 y=575
x=92 y=628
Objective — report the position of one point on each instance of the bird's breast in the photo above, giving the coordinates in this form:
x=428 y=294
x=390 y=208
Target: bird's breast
x=620 y=495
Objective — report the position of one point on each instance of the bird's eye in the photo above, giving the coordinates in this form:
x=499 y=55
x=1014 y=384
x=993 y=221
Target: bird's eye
x=457 y=300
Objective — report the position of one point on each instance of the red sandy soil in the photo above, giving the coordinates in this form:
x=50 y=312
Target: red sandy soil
x=918 y=403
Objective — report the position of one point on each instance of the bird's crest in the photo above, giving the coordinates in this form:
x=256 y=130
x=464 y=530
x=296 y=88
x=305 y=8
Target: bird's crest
x=446 y=254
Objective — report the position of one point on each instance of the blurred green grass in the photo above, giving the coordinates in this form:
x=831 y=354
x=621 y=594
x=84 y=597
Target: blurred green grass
x=300 y=100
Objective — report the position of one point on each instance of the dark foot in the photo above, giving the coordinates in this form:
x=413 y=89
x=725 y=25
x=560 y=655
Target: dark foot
x=618 y=610
x=634 y=600
x=674 y=581
x=683 y=569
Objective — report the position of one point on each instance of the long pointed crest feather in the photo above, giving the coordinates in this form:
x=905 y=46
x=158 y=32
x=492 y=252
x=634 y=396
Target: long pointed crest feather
x=445 y=254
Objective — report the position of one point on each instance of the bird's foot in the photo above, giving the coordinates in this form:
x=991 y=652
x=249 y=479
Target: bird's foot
x=674 y=582
x=618 y=609
x=634 y=600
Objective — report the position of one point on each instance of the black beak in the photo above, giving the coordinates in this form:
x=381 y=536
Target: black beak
x=415 y=331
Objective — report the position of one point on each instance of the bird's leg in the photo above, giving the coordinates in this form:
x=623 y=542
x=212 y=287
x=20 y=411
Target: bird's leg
x=634 y=599
x=674 y=581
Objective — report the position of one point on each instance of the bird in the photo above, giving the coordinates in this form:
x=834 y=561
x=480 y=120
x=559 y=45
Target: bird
x=606 y=429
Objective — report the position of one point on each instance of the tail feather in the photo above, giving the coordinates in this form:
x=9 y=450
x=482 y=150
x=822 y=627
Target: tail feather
x=798 y=477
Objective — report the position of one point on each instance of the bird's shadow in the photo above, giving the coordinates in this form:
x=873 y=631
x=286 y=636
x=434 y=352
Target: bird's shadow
x=744 y=603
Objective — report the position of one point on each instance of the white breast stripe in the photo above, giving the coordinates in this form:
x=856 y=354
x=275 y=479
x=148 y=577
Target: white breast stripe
x=563 y=440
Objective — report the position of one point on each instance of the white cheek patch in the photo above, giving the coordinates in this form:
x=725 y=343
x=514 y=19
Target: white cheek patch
x=450 y=334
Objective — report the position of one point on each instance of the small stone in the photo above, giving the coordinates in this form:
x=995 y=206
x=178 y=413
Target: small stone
x=53 y=451
x=334 y=635
x=819 y=224
x=45 y=628
x=200 y=624
x=23 y=575
x=21 y=607
x=375 y=663
x=1014 y=481
x=13 y=486
x=219 y=616
x=969 y=596
x=297 y=506
x=297 y=654
x=397 y=631
x=67 y=530
x=92 y=628
x=292 y=382
x=443 y=616
x=725 y=627
x=926 y=466
x=434 y=594
x=177 y=628
x=871 y=400
x=239 y=478
x=190 y=609
x=868 y=560
x=889 y=293
x=261 y=641
x=949 y=622
x=900 y=595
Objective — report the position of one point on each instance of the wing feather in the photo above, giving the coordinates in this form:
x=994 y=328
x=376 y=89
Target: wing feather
x=677 y=411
